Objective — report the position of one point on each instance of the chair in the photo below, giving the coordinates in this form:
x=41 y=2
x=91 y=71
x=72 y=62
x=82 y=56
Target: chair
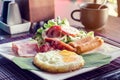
x=118 y=3
x=95 y=1
x=36 y=10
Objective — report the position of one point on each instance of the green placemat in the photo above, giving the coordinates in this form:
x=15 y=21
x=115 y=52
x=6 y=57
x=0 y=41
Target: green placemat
x=91 y=60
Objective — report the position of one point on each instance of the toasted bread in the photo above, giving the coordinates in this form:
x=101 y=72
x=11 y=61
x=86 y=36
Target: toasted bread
x=58 y=61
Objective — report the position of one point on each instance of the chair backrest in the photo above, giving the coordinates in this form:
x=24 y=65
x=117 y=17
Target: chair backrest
x=118 y=8
x=95 y=1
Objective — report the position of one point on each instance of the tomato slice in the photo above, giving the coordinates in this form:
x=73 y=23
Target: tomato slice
x=58 y=31
x=54 y=31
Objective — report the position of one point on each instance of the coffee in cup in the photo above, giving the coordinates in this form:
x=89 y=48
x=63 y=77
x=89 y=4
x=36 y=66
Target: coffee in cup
x=90 y=16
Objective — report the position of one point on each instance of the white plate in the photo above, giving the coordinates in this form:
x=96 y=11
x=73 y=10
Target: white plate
x=5 y=50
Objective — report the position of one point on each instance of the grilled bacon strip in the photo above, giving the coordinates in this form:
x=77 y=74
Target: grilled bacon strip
x=57 y=44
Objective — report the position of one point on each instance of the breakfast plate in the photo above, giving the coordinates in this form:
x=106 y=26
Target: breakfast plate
x=70 y=42
x=107 y=49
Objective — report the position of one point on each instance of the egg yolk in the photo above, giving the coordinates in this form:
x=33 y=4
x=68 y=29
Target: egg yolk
x=68 y=56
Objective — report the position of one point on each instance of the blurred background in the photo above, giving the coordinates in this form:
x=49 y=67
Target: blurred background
x=63 y=8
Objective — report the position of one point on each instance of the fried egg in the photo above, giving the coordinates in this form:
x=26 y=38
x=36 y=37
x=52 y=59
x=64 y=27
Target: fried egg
x=58 y=61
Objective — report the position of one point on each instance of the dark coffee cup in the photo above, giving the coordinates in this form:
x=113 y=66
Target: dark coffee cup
x=90 y=16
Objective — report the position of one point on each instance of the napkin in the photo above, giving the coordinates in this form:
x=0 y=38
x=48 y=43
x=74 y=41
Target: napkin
x=91 y=60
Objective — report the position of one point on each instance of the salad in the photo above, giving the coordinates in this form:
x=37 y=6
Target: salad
x=58 y=34
x=60 y=29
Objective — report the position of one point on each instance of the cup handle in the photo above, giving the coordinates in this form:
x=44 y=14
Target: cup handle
x=77 y=10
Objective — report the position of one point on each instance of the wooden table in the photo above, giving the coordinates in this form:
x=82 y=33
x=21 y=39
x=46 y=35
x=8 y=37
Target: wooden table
x=111 y=31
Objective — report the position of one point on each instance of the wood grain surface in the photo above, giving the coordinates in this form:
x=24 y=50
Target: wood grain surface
x=111 y=29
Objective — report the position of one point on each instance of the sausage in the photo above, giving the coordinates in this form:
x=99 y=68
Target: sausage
x=86 y=44
x=90 y=45
x=81 y=41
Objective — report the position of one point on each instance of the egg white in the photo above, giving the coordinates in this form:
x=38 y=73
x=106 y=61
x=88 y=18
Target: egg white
x=53 y=58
